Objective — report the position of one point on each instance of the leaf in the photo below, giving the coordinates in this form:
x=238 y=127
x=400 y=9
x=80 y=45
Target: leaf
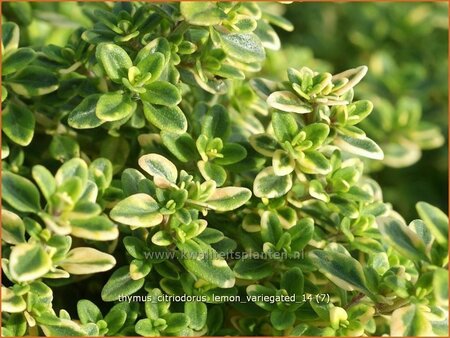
x=18 y=123
x=10 y=37
x=410 y=321
x=20 y=193
x=176 y=322
x=97 y=228
x=54 y=326
x=315 y=162
x=211 y=171
x=45 y=180
x=229 y=198
x=264 y=144
x=283 y=164
x=253 y=269
x=120 y=284
x=282 y=320
x=204 y=262
x=232 y=153
x=362 y=146
x=159 y=166
x=270 y=227
x=182 y=146
x=28 y=261
x=101 y=172
x=162 y=93
x=150 y=62
x=114 y=106
x=245 y=47
x=293 y=281
x=284 y=126
x=139 y=210
x=11 y=302
x=216 y=123
x=83 y=116
x=317 y=133
x=402 y=239
x=440 y=286
x=63 y=148
x=169 y=119
x=289 y=102
x=435 y=220
x=88 y=312
x=17 y=60
x=196 y=311
x=81 y=261
x=13 y=229
x=114 y=60
x=344 y=271
x=269 y=185
x=358 y=111
x=34 y=81
x=202 y=13
x=75 y=167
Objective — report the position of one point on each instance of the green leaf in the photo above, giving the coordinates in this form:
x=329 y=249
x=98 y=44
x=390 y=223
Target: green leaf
x=13 y=229
x=253 y=269
x=101 y=172
x=402 y=239
x=264 y=144
x=283 y=164
x=202 y=13
x=245 y=47
x=182 y=146
x=114 y=60
x=169 y=119
x=269 y=185
x=176 y=322
x=17 y=60
x=435 y=220
x=120 y=284
x=97 y=228
x=196 y=311
x=317 y=133
x=162 y=93
x=315 y=162
x=411 y=321
x=150 y=62
x=45 y=180
x=362 y=146
x=20 y=193
x=440 y=286
x=159 y=166
x=11 y=302
x=282 y=320
x=284 y=126
x=344 y=271
x=216 y=123
x=358 y=111
x=54 y=326
x=204 y=262
x=211 y=171
x=18 y=123
x=289 y=102
x=34 y=81
x=232 y=153
x=293 y=281
x=63 y=148
x=114 y=106
x=301 y=233
x=88 y=312
x=81 y=261
x=144 y=327
x=270 y=227
x=10 y=37
x=139 y=210
x=28 y=261
x=229 y=198
x=75 y=167
x=83 y=116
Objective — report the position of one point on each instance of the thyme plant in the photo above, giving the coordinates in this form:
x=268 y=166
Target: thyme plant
x=147 y=164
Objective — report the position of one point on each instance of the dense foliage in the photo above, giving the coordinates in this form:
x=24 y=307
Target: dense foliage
x=146 y=158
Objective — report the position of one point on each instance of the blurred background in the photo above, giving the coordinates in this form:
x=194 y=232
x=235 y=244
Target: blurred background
x=405 y=46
